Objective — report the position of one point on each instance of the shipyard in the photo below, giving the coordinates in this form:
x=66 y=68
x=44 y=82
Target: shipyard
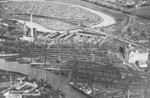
x=74 y=49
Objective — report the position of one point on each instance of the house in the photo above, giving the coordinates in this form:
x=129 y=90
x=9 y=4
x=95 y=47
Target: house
x=135 y=54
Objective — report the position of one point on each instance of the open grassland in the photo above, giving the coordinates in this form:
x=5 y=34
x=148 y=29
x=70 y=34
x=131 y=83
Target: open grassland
x=143 y=12
x=54 y=9
x=47 y=23
x=121 y=18
x=49 y=9
x=103 y=6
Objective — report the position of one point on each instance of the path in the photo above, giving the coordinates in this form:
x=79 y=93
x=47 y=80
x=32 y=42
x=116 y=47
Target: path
x=106 y=19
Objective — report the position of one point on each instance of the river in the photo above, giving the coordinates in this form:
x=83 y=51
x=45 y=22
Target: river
x=56 y=81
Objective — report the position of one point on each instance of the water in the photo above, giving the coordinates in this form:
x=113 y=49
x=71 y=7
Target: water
x=56 y=81
x=15 y=66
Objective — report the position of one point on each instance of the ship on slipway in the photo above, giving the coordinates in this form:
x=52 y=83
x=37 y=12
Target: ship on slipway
x=102 y=79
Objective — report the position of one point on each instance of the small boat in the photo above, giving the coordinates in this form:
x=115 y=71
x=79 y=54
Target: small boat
x=54 y=69
x=24 y=61
x=58 y=71
x=39 y=65
x=11 y=59
x=3 y=55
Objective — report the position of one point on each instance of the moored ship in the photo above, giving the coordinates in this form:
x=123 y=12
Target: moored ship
x=96 y=80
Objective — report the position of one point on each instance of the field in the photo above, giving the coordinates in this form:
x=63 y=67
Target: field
x=121 y=18
x=143 y=12
x=47 y=23
x=49 y=9
x=118 y=16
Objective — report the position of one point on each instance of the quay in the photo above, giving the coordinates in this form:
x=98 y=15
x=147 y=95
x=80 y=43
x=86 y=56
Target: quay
x=56 y=81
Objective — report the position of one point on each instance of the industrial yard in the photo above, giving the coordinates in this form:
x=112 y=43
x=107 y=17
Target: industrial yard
x=74 y=49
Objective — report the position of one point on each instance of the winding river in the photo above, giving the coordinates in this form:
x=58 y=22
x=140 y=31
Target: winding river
x=107 y=19
x=56 y=81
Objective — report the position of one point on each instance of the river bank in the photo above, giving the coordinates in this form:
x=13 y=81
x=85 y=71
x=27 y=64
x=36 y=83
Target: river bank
x=56 y=81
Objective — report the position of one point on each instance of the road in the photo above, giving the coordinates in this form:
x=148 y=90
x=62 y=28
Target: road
x=133 y=69
x=115 y=37
x=37 y=73
x=98 y=31
x=107 y=20
x=40 y=28
x=98 y=8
